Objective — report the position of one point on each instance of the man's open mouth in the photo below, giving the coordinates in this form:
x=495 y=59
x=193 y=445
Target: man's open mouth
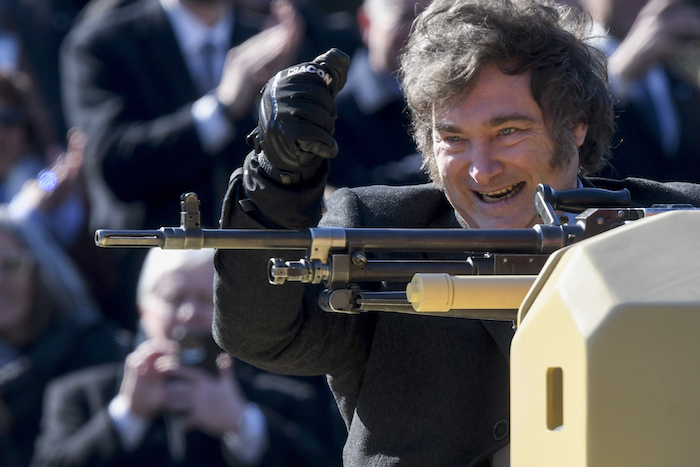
x=502 y=194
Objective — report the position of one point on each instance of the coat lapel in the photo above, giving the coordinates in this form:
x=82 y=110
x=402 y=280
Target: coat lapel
x=162 y=52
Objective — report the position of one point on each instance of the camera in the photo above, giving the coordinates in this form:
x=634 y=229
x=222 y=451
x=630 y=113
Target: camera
x=198 y=349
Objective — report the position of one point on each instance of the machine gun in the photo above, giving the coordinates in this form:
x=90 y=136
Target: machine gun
x=496 y=268
x=602 y=361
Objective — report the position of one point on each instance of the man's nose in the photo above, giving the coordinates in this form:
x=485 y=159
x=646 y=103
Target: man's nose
x=190 y=311
x=483 y=163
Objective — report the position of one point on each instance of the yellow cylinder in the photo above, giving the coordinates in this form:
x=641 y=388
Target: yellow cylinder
x=443 y=292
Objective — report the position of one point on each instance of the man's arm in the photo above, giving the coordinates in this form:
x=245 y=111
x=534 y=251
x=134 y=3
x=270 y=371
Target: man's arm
x=130 y=136
x=281 y=185
x=280 y=329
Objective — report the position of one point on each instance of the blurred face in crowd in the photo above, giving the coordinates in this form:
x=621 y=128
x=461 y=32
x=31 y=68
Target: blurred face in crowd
x=492 y=147
x=385 y=25
x=181 y=300
x=13 y=138
x=16 y=282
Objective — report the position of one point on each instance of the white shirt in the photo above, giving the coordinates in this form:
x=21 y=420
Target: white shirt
x=248 y=445
x=192 y=34
x=214 y=128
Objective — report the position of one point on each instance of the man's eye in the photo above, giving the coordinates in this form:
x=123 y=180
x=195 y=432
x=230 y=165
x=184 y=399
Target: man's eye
x=172 y=300
x=453 y=139
x=507 y=131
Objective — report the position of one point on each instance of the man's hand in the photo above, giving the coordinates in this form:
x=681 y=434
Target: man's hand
x=298 y=111
x=212 y=404
x=51 y=188
x=662 y=28
x=249 y=65
x=145 y=376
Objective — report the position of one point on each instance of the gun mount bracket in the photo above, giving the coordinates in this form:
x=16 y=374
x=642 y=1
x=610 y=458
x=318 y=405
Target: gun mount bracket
x=325 y=239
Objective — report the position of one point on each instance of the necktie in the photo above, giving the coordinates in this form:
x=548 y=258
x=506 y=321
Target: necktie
x=211 y=80
x=666 y=115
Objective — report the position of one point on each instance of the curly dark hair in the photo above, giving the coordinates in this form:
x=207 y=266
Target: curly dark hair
x=452 y=41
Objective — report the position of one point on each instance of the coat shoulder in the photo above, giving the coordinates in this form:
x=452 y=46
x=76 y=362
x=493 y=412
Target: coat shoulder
x=646 y=192
x=422 y=205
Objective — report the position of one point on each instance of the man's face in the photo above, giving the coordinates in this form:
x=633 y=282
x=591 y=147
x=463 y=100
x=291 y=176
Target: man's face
x=181 y=299
x=493 y=148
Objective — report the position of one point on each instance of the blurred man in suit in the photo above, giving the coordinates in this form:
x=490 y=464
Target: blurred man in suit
x=372 y=127
x=162 y=90
x=177 y=399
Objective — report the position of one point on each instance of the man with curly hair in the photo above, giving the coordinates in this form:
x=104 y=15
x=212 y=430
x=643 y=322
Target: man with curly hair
x=503 y=95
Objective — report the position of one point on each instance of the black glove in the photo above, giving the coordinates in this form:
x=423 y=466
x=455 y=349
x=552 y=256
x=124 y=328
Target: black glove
x=297 y=114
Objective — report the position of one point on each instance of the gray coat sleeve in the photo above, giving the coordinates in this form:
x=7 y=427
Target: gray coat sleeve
x=278 y=328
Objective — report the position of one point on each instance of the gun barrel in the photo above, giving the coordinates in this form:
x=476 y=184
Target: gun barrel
x=178 y=238
x=447 y=240
x=321 y=240
x=129 y=238
x=406 y=240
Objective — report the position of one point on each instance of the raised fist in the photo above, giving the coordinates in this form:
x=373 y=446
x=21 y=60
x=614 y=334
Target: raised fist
x=297 y=113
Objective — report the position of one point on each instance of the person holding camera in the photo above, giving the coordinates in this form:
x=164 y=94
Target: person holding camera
x=178 y=399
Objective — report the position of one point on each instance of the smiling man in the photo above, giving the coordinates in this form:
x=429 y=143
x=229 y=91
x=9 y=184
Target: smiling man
x=503 y=95
x=492 y=147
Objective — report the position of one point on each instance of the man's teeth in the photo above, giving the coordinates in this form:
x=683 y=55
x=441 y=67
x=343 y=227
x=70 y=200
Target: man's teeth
x=500 y=195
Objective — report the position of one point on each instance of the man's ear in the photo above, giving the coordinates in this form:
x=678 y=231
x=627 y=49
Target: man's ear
x=580 y=131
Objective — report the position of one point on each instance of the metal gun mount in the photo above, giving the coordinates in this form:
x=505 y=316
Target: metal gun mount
x=342 y=258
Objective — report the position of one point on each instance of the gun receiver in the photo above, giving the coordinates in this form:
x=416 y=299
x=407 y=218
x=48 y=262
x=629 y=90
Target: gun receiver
x=341 y=258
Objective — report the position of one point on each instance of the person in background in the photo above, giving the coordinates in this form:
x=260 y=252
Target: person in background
x=372 y=125
x=162 y=90
x=657 y=102
x=16 y=56
x=49 y=326
x=23 y=158
x=56 y=199
x=177 y=399
x=50 y=189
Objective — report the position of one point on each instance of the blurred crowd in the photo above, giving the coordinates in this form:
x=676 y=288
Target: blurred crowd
x=111 y=109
